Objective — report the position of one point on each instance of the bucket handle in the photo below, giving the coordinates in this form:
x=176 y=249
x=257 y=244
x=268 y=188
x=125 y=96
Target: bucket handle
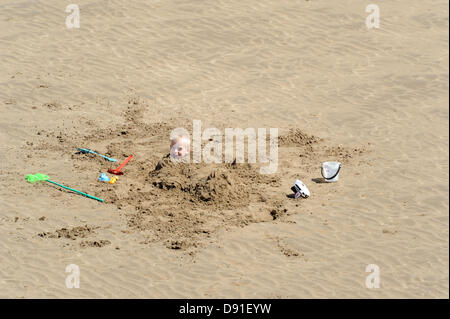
x=337 y=172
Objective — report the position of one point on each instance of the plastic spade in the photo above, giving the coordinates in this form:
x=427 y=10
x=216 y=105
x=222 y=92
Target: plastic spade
x=117 y=170
x=41 y=177
x=85 y=150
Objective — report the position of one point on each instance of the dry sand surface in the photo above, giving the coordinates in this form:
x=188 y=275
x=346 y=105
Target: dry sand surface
x=375 y=100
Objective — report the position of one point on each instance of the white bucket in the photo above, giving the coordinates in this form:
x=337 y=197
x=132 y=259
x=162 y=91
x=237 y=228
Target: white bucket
x=330 y=171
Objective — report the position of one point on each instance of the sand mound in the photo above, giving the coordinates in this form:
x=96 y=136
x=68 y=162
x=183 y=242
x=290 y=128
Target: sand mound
x=225 y=185
x=181 y=203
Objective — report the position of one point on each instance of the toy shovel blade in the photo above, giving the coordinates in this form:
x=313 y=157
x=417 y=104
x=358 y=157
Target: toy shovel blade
x=117 y=170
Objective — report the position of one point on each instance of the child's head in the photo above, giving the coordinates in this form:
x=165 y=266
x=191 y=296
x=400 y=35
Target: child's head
x=180 y=146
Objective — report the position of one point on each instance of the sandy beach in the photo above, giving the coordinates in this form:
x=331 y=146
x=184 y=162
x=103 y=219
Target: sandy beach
x=376 y=100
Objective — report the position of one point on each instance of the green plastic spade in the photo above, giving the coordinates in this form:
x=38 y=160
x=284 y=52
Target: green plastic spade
x=42 y=177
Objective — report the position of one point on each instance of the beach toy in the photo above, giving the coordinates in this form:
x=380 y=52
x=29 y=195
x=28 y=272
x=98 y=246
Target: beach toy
x=330 y=171
x=85 y=151
x=113 y=179
x=36 y=178
x=42 y=177
x=104 y=178
x=300 y=189
x=117 y=170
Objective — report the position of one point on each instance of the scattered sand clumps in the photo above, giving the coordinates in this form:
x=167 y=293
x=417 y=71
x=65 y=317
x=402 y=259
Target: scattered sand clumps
x=70 y=233
x=182 y=204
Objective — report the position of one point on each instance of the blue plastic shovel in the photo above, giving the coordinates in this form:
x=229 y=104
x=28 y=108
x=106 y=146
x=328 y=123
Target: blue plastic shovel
x=85 y=150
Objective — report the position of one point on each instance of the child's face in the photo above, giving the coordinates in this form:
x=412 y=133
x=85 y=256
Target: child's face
x=180 y=146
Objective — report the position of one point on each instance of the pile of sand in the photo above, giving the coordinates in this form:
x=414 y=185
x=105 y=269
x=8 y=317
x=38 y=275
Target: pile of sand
x=222 y=185
x=182 y=203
